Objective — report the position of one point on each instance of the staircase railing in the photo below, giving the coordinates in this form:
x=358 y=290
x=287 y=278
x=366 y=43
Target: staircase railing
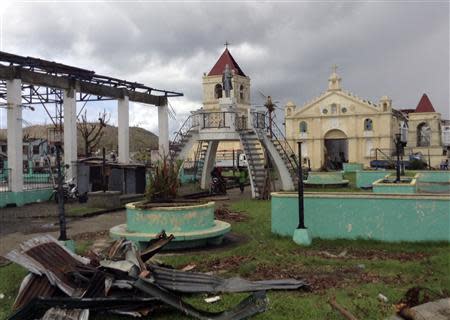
x=187 y=125
x=386 y=157
x=261 y=122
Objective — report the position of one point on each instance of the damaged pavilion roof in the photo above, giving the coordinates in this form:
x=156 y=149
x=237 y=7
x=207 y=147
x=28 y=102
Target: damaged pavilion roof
x=43 y=81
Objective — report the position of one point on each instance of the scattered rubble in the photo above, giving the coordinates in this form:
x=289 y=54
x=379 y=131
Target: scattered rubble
x=223 y=213
x=123 y=280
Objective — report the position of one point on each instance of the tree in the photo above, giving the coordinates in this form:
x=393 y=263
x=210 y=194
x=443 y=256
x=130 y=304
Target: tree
x=92 y=132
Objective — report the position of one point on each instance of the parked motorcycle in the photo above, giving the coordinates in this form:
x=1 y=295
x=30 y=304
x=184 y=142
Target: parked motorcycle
x=70 y=192
x=218 y=186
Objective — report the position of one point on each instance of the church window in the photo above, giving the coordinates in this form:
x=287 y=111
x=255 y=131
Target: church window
x=218 y=91
x=344 y=110
x=325 y=111
x=423 y=135
x=368 y=125
x=241 y=92
x=384 y=106
x=333 y=108
x=303 y=127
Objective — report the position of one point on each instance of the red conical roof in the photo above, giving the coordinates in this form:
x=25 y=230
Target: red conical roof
x=425 y=105
x=225 y=58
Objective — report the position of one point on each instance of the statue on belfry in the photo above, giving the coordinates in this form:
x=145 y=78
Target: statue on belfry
x=226 y=80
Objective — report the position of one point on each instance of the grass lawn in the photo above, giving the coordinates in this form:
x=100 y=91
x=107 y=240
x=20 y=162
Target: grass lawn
x=368 y=268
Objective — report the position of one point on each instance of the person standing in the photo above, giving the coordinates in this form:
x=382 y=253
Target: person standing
x=242 y=178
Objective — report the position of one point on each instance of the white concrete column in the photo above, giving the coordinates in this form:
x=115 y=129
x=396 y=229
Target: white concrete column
x=163 y=125
x=14 y=133
x=123 y=108
x=210 y=160
x=70 y=133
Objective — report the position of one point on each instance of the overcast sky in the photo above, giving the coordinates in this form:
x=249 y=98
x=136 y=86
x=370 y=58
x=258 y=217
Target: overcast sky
x=399 y=49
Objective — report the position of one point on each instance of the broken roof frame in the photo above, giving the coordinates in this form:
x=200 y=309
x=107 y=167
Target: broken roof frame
x=43 y=82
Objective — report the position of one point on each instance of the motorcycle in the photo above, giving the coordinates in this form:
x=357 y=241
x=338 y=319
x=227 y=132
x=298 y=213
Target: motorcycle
x=70 y=192
x=218 y=186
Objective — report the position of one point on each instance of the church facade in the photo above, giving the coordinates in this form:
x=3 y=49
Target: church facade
x=339 y=127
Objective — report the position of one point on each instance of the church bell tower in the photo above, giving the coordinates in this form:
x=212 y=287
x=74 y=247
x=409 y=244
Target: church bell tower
x=213 y=85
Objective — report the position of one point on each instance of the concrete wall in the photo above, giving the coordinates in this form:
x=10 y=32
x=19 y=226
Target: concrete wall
x=352 y=167
x=364 y=179
x=393 y=188
x=366 y=216
x=25 y=197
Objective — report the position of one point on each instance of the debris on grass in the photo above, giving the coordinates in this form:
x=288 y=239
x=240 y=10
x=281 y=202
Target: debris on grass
x=123 y=280
x=344 y=312
x=225 y=214
x=363 y=254
x=212 y=299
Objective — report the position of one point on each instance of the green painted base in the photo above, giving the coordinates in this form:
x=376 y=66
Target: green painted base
x=69 y=244
x=302 y=237
x=183 y=240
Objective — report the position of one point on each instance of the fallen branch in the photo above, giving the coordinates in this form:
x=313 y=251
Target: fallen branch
x=340 y=309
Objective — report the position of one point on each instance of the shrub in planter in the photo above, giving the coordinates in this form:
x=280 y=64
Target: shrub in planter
x=163 y=183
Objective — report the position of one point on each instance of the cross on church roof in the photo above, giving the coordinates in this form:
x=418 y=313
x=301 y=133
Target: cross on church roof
x=226 y=44
x=334 y=68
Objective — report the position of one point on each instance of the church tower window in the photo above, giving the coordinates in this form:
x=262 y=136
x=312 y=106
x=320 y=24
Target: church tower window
x=423 y=135
x=218 y=91
x=368 y=125
x=303 y=127
x=241 y=92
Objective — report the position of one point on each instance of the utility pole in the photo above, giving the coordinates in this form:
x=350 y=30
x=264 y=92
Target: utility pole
x=60 y=195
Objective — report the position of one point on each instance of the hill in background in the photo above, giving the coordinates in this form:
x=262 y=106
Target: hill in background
x=140 y=138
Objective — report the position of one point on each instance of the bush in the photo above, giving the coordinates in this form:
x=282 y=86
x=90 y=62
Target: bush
x=163 y=183
x=417 y=164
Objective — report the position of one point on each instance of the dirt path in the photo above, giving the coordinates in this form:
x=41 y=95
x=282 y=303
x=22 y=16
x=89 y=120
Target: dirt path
x=18 y=230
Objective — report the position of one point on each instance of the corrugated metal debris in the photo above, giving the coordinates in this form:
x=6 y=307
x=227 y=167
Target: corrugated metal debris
x=122 y=280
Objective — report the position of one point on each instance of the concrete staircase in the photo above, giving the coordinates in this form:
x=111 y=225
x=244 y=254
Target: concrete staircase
x=254 y=154
x=288 y=158
x=200 y=158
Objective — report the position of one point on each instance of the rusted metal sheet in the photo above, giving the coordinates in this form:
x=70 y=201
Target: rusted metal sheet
x=66 y=314
x=45 y=256
x=192 y=282
x=33 y=286
x=250 y=306
x=62 y=285
x=156 y=245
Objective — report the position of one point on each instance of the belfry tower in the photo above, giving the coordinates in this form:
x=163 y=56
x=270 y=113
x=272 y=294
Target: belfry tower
x=227 y=118
x=213 y=89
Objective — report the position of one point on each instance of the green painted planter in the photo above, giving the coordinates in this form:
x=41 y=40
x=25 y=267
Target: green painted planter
x=341 y=215
x=192 y=225
x=352 y=167
x=381 y=186
x=326 y=179
x=364 y=179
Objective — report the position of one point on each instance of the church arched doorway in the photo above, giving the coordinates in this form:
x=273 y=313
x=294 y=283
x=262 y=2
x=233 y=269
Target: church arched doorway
x=335 y=149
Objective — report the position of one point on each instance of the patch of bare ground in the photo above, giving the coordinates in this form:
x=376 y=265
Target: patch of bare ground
x=366 y=254
x=87 y=236
x=225 y=214
x=326 y=278
x=225 y=264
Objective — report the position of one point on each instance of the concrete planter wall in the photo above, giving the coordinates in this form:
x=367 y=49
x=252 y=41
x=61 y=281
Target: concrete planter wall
x=325 y=179
x=408 y=186
x=352 y=167
x=192 y=225
x=170 y=219
x=364 y=179
x=366 y=216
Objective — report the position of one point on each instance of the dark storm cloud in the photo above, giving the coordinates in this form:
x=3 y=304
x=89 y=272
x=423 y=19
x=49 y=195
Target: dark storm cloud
x=397 y=49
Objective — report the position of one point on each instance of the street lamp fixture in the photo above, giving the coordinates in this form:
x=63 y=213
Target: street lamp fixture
x=302 y=235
